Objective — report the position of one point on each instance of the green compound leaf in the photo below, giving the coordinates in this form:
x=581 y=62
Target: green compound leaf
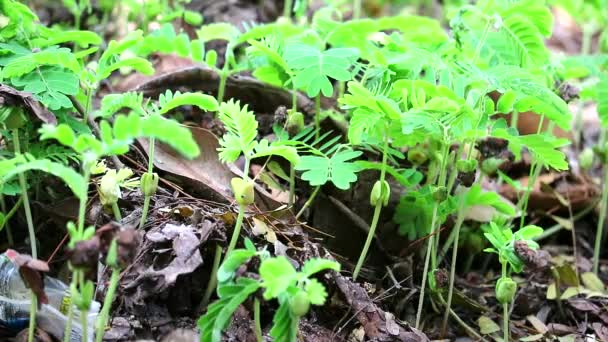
x=475 y=196
x=70 y=177
x=232 y=263
x=117 y=139
x=284 y=324
x=338 y=169
x=242 y=129
x=220 y=312
x=314 y=67
x=51 y=86
x=112 y=103
x=51 y=56
x=532 y=95
x=277 y=275
x=316 y=265
x=316 y=292
x=264 y=149
x=169 y=101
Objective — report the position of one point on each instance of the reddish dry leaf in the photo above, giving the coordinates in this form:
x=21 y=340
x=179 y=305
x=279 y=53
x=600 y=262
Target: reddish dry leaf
x=31 y=271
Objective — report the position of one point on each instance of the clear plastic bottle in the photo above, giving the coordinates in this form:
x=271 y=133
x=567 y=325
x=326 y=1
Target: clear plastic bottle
x=15 y=303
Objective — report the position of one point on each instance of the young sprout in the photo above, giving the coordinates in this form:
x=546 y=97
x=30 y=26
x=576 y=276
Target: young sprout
x=504 y=243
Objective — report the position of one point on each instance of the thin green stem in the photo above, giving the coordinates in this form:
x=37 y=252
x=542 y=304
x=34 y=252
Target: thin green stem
x=116 y=212
x=9 y=234
x=26 y=200
x=87 y=108
x=317 y=116
x=292 y=185
x=222 y=86
x=294 y=100
x=144 y=211
x=257 y=320
x=102 y=320
x=32 y=327
x=308 y=202
x=10 y=214
x=288 y=6
x=599 y=235
x=70 y=316
x=427 y=258
x=213 y=277
x=224 y=75
x=237 y=230
x=357 y=5
x=430 y=251
x=83 y=197
x=84 y=324
x=586 y=42
x=146 y=207
x=377 y=210
x=505 y=309
x=368 y=241
x=459 y=221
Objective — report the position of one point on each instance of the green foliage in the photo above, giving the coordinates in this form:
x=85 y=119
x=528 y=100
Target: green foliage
x=602 y=99
x=169 y=101
x=314 y=67
x=503 y=242
x=22 y=164
x=279 y=279
x=116 y=139
x=414 y=212
x=219 y=313
x=338 y=169
x=240 y=138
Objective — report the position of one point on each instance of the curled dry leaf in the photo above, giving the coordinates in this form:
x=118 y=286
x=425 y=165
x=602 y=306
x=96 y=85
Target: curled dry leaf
x=32 y=272
x=13 y=97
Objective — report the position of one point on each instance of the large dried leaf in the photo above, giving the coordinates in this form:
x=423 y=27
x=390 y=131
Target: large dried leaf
x=205 y=175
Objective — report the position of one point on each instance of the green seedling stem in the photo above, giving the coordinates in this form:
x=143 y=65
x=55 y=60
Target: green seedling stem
x=308 y=202
x=505 y=309
x=146 y=207
x=258 y=322
x=102 y=321
x=32 y=327
x=430 y=251
x=600 y=224
x=26 y=200
x=377 y=210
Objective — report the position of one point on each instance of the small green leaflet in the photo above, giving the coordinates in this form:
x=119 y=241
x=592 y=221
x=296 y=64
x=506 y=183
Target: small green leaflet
x=338 y=169
x=116 y=139
x=314 y=67
x=602 y=99
x=169 y=101
x=475 y=196
x=277 y=275
x=72 y=178
x=242 y=129
x=220 y=312
x=283 y=327
x=232 y=263
x=51 y=86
